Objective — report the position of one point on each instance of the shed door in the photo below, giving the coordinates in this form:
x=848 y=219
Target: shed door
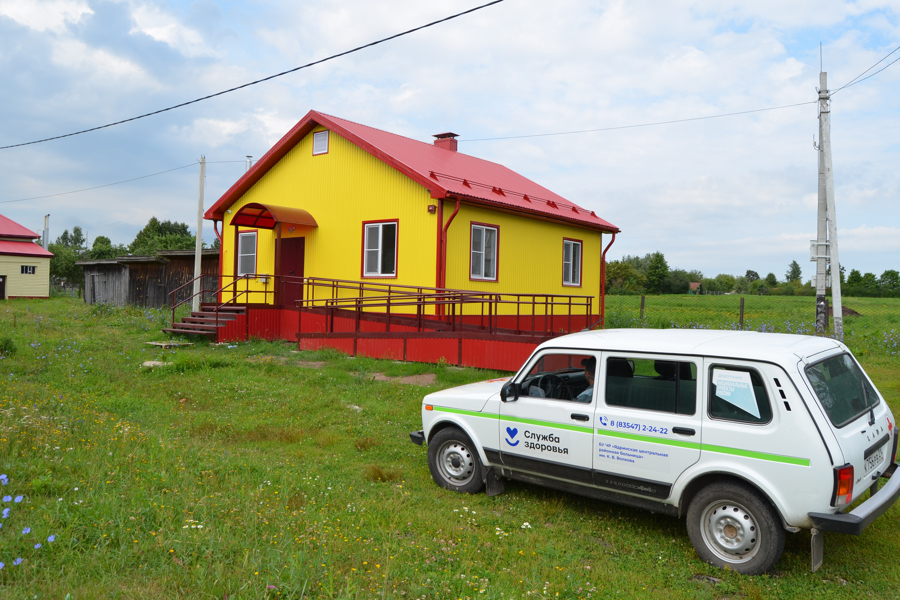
x=293 y=251
x=2 y=288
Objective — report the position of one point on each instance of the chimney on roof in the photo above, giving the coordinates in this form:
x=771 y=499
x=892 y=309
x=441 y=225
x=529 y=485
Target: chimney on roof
x=447 y=141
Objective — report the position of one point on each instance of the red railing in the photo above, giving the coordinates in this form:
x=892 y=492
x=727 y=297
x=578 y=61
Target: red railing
x=532 y=313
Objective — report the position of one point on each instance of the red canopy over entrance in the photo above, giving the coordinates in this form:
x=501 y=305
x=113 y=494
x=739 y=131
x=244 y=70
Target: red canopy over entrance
x=265 y=216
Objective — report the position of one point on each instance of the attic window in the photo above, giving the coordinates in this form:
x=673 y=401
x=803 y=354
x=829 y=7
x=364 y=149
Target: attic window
x=320 y=142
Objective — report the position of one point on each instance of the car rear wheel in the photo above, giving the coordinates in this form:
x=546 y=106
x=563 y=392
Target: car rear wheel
x=454 y=463
x=731 y=524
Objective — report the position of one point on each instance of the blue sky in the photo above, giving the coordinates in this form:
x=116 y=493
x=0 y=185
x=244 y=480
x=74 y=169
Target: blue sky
x=721 y=195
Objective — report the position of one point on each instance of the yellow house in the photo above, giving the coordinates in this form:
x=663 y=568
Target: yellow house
x=343 y=210
x=24 y=265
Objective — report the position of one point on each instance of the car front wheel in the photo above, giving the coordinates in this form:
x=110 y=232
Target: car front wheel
x=454 y=463
x=731 y=524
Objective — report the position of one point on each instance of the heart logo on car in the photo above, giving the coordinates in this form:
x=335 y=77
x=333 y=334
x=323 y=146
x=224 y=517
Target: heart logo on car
x=511 y=432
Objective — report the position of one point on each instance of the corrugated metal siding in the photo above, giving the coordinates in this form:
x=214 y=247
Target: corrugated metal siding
x=33 y=286
x=530 y=254
x=342 y=190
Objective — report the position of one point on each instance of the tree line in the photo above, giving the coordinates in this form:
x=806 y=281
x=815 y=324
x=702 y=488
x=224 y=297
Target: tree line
x=72 y=247
x=650 y=274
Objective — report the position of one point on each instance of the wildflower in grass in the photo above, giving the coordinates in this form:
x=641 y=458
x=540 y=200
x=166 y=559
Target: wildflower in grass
x=18 y=499
x=4 y=479
x=5 y=512
x=26 y=530
x=36 y=546
x=7 y=498
x=51 y=539
x=17 y=562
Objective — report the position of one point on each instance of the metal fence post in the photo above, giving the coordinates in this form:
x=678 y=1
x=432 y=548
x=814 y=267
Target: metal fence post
x=742 y=313
x=642 y=307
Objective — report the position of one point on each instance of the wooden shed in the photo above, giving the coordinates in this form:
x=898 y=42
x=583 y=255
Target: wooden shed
x=144 y=280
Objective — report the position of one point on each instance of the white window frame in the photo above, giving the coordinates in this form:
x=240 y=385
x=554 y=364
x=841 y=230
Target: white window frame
x=479 y=252
x=572 y=258
x=242 y=251
x=320 y=142
x=374 y=248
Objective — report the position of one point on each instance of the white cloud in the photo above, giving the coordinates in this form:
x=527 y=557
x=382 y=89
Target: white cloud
x=164 y=27
x=52 y=15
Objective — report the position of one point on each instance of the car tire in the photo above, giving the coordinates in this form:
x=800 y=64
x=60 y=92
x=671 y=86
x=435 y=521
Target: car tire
x=732 y=525
x=454 y=463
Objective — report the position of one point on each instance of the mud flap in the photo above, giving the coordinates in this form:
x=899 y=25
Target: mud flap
x=817 y=548
x=493 y=483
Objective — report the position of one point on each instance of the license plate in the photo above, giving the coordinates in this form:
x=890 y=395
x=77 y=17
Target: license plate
x=874 y=460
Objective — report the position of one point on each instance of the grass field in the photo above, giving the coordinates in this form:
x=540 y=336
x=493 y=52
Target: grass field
x=251 y=471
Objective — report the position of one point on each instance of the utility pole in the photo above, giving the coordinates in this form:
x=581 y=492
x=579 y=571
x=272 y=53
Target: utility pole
x=198 y=248
x=825 y=247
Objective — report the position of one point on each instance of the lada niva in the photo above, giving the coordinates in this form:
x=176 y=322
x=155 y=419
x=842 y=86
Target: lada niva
x=749 y=435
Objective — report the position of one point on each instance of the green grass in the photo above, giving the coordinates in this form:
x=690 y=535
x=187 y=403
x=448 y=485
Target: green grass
x=306 y=485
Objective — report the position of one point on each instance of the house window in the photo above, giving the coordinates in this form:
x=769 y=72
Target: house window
x=380 y=254
x=246 y=253
x=571 y=262
x=320 y=142
x=484 y=252
x=29 y=270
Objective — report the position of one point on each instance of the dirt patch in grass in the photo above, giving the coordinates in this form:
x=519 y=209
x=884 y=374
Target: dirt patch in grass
x=279 y=360
x=422 y=379
x=312 y=364
x=366 y=443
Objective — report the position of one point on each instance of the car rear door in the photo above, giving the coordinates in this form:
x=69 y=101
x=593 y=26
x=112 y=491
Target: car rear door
x=647 y=425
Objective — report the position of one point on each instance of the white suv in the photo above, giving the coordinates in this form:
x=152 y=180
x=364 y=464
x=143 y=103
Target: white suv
x=748 y=434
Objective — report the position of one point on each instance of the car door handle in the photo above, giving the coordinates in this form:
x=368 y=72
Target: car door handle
x=580 y=417
x=683 y=431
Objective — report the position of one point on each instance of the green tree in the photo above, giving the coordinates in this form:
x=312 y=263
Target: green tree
x=793 y=272
x=68 y=249
x=622 y=276
x=103 y=248
x=742 y=285
x=752 y=276
x=678 y=282
x=870 y=281
x=161 y=235
x=657 y=271
x=854 y=278
x=889 y=280
x=771 y=280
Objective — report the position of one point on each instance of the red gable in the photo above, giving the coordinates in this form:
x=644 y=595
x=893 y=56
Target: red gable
x=11 y=229
x=447 y=174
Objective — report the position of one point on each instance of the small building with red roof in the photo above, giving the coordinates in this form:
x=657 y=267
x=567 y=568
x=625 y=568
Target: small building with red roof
x=341 y=201
x=24 y=265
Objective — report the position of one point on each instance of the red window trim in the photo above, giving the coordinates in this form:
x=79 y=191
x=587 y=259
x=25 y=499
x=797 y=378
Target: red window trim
x=580 y=264
x=362 y=264
x=237 y=250
x=496 y=277
x=314 y=153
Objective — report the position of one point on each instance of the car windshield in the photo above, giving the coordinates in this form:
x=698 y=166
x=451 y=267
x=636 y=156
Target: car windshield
x=843 y=390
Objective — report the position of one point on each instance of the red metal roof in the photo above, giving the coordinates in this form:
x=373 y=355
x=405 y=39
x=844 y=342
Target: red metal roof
x=11 y=229
x=445 y=173
x=22 y=248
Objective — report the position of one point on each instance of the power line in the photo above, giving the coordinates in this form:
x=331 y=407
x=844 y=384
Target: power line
x=744 y=112
x=857 y=79
x=97 y=187
x=307 y=65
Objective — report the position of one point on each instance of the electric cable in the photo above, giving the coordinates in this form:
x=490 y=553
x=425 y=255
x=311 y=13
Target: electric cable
x=744 y=112
x=97 y=187
x=857 y=79
x=295 y=69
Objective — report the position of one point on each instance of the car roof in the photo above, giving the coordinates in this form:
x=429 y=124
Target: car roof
x=770 y=347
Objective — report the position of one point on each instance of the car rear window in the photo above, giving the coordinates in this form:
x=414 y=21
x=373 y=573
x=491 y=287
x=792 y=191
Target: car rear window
x=842 y=388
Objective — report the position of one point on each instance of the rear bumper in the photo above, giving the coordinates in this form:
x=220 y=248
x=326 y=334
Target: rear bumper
x=418 y=437
x=862 y=516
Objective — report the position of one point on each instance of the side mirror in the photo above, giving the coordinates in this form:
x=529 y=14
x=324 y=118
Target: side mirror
x=508 y=389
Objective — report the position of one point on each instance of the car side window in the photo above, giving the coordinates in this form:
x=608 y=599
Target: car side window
x=738 y=394
x=561 y=376
x=652 y=384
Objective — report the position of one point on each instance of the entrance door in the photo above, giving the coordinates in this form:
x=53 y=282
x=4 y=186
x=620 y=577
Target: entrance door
x=293 y=251
x=2 y=288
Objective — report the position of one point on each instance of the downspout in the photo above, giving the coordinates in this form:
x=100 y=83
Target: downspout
x=444 y=246
x=440 y=243
x=603 y=282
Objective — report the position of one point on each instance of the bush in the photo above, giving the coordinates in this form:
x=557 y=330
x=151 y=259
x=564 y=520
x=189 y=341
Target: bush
x=7 y=347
